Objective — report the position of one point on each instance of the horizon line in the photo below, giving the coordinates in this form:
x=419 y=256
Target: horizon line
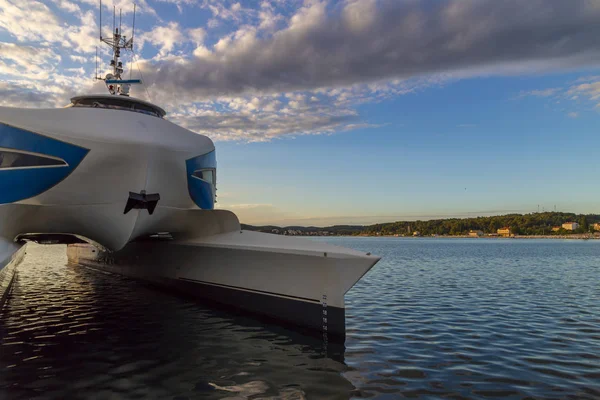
x=466 y=215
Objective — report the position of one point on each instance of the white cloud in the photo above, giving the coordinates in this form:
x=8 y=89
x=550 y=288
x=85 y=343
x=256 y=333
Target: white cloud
x=165 y=37
x=179 y=3
x=197 y=35
x=220 y=10
x=582 y=92
x=30 y=21
x=27 y=61
x=540 y=92
x=268 y=19
x=84 y=37
x=67 y=6
x=261 y=119
x=79 y=59
x=590 y=90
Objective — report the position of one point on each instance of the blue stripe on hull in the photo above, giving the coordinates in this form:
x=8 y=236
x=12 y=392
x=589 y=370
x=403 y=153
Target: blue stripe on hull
x=21 y=184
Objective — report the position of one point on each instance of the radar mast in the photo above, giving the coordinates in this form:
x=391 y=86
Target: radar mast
x=114 y=83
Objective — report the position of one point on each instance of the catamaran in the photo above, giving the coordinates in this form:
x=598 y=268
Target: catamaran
x=132 y=193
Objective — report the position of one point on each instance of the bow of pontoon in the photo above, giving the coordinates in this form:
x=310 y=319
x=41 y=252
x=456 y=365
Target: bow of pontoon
x=293 y=280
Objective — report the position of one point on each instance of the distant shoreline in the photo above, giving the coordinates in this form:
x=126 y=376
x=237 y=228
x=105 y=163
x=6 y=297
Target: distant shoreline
x=561 y=237
x=545 y=225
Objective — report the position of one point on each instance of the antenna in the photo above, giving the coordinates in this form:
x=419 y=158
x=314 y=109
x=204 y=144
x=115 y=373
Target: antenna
x=117 y=43
x=133 y=27
x=100 y=28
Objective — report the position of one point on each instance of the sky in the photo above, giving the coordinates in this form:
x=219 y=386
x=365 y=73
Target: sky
x=348 y=111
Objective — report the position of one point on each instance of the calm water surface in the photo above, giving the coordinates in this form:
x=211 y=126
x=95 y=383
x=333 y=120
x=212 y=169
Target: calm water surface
x=435 y=318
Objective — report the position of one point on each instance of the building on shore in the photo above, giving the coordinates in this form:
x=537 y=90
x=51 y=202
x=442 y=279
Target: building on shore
x=596 y=227
x=504 y=231
x=475 y=233
x=556 y=228
x=570 y=226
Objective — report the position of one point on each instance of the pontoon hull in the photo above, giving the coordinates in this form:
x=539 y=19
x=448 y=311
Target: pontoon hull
x=11 y=255
x=293 y=280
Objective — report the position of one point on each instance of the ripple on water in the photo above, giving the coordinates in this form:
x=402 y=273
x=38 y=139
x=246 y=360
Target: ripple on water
x=510 y=319
x=70 y=332
x=435 y=318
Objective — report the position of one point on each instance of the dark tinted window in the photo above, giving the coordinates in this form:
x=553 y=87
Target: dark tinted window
x=207 y=175
x=144 y=109
x=14 y=159
x=117 y=104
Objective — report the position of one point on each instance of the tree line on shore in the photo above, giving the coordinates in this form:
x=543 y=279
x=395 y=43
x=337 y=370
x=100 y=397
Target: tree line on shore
x=519 y=224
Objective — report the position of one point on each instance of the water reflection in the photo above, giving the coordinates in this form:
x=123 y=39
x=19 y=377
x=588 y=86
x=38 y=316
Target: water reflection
x=70 y=332
x=435 y=319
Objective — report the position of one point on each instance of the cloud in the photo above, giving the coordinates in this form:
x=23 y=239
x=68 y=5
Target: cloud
x=221 y=11
x=178 y=3
x=17 y=94
x=84 y=37
x=371 y=41
x=263 y=118
x=540 y=93
x=27 y=61
x=164 y=37
x=582 y=92
x=197 y=35
x=125 y=6
x=269 y=19
x=286 y=68
x=589 y=90
x=67 y=6
x=79 y=59
x=30 y=21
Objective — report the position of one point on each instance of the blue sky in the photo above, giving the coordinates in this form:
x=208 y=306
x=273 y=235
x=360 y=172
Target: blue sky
x=437 y=153
x=350 y=111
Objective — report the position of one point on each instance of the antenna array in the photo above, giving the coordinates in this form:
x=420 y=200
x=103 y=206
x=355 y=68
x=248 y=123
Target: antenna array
x=117 y=42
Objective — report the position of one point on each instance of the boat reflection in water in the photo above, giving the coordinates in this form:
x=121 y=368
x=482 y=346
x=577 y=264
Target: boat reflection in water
x=72 y=332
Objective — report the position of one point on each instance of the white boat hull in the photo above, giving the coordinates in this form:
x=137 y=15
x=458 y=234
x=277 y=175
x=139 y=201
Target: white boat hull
x=11 y=255
x=87 y=198
x=289 y=279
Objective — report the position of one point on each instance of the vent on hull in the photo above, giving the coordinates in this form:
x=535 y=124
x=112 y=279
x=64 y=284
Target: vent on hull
x=12 y=159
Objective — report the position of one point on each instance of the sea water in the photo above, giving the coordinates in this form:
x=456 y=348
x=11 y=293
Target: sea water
x=451 y=318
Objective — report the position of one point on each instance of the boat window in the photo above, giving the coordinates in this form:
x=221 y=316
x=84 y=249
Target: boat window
x=143 y=108
x=16 y=159
x=207 y=175
x=116 y=104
